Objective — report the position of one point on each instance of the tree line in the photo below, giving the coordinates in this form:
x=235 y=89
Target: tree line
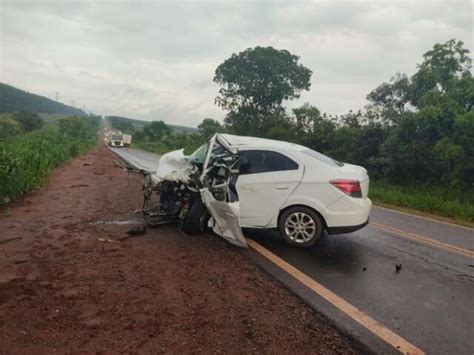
x=416 y=129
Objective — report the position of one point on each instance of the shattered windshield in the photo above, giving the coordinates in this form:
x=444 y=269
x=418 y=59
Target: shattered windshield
x=199 y=155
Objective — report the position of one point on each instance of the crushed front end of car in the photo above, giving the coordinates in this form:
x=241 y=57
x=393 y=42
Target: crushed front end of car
x=196 y=191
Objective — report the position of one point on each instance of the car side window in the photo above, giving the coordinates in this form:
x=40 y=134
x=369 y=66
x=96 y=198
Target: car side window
x=263 y=161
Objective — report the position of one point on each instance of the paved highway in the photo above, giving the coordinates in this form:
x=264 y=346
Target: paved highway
x=429 y=302
x=140 y=159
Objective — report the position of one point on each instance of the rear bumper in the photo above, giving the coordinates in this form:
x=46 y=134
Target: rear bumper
x=346 y=229
x=348 y=212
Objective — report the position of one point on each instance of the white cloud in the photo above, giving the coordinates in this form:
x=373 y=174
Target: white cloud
x=157 y=60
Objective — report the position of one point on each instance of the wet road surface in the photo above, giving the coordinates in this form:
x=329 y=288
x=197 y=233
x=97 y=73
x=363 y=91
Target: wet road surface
x=429 y=301
x=141 y=159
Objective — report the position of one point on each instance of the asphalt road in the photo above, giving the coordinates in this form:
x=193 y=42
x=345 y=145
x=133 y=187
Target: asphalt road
x=429 y=302
x=141 y=159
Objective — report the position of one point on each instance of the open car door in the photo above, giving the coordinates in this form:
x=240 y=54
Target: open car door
x=225 y=218
x=219 y=195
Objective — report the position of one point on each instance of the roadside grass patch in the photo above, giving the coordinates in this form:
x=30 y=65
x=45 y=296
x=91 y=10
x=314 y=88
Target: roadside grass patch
x=27 y=159
x=444 y=202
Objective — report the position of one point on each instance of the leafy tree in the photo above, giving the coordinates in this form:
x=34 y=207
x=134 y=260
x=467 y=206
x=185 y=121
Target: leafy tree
x=390 y=99
x=424 y=113
x=442 y=66
x=305 y=116
x=210 y=126
x=156 y=130
x=28 y=121
x=254 y=83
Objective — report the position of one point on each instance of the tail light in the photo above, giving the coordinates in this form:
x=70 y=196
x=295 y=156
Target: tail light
x=349 y=187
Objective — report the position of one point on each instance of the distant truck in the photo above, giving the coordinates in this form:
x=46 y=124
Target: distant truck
x=116 y=140
x=127 y=140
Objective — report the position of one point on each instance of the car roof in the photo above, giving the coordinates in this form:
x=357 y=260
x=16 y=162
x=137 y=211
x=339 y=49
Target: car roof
x=249 y=142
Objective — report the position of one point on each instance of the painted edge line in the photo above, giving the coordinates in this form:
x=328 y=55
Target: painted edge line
x=424 y=240
x=423 y=217
x=360 y=317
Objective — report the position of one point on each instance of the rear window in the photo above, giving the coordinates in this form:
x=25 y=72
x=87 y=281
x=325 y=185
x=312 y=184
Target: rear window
x=322 y=157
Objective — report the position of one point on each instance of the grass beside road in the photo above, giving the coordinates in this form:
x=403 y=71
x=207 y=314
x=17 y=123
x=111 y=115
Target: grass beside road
x=27 y=159
x=437 y=202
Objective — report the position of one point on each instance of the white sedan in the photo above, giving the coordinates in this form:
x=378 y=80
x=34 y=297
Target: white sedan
x=248 y=182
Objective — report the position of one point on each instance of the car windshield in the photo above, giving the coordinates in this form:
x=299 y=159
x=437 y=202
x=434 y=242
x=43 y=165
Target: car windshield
x=322 y=157
x=199 y=155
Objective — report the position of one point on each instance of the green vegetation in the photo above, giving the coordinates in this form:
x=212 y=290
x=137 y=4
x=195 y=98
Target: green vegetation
x=435 y=200
x=8 y=126
x=416 y=130
x=13 y=99
x=28 y=157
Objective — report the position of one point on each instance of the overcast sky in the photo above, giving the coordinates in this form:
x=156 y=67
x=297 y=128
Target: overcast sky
x=156 y=60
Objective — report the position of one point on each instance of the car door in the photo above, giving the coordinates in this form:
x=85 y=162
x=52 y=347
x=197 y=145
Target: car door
x=224 y=213
x=266 y=180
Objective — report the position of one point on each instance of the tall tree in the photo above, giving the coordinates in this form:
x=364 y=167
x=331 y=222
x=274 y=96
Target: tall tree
x=441 y=68
x=156 y=130
x=391 y=99
x=254 y=83
x=209 y=126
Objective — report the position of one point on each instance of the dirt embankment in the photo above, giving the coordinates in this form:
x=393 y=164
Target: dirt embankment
x=68 y=284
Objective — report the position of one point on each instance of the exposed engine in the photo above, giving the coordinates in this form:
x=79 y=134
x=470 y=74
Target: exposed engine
x=179 y=199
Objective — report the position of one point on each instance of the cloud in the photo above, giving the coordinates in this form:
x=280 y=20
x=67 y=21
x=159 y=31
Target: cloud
x=157 y=60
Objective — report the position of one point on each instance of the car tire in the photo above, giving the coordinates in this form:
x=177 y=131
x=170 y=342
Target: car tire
x=197 y=218
x=300 y=226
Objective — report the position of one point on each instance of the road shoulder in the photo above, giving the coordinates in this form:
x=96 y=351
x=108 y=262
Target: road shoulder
x=68 y=282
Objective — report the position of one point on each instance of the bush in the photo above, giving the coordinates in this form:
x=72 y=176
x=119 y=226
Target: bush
x=8 y=126
x=28 y=121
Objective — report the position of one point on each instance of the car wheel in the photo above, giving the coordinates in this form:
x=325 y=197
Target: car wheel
x=197 y=218
x=300 y=226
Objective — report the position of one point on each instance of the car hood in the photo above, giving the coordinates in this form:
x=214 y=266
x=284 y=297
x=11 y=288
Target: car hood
x=173 y=166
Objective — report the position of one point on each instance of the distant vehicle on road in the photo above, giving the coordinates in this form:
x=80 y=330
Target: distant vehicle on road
x=127 y=140
x=248 y=182
x=116 y=140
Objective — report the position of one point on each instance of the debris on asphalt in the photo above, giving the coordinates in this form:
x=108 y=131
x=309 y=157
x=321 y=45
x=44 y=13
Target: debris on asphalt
x=9 y=240
x=106 y=240
x=398 y=267
x=140 y=230
x=364 y=269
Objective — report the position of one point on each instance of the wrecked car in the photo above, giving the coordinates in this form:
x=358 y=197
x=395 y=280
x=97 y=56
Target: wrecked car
x=234 y=182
